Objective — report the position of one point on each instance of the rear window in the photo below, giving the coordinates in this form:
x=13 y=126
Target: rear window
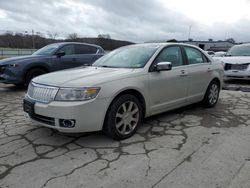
x=195 y=56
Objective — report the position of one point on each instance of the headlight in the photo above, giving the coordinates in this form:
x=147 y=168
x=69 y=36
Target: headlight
x=77 y=94
x=13 y=65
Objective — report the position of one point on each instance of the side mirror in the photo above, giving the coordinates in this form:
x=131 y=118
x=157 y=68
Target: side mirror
x=163 y=66
x=60 y=54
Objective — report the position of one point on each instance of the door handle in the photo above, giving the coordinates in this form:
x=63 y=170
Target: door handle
x=209 y=70
x=73 y=59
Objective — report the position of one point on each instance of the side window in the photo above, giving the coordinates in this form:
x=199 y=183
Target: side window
x=84 y=49
x=68 y=49
x=194 y=56
x=171 y=54
x=205 y=59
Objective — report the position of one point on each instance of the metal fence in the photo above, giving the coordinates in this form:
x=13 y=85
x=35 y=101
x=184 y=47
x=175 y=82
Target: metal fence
x=9 y=52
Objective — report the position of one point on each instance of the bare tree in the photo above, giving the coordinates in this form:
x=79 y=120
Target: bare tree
x=53 y=35
x=231 y=40
x=73 y=36
x=105 y=36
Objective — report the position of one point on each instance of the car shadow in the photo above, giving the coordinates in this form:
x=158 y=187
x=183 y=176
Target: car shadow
x=237 y=85
x=11 y=88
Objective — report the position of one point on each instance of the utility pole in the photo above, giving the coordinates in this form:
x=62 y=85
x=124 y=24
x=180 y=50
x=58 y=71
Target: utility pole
x=189 y=32
x=33 y=40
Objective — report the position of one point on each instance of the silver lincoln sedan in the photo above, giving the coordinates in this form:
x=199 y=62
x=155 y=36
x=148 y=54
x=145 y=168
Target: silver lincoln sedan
x=123 y=87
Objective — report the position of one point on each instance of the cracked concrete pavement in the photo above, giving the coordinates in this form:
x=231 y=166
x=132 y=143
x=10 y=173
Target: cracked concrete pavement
x=188 y=147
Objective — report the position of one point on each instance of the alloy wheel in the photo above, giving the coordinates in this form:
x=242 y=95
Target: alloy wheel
x=127 y=117
x=213 y=94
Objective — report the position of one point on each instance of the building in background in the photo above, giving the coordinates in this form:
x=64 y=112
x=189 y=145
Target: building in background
x=211 y=45
x=208 y=45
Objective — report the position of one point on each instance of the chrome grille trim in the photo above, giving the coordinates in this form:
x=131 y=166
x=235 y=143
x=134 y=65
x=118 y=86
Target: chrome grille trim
x=41 y=93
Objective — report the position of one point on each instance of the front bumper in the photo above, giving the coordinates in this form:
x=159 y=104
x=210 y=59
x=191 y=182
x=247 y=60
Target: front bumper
x=8 y=76
x=87 y=115
x=10 y=80
x=237 y=74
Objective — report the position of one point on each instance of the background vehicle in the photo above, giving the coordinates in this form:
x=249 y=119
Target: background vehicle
x=123 y=87
x=219 y=54
x=54 y=57
x=210 y=53
x=236 y=62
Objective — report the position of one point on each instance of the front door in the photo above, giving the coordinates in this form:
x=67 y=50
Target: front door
x=69 y=60
x=168 y=89
x=200 y=73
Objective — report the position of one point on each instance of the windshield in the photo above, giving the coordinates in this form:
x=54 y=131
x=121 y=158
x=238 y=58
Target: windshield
x=239 y=51
x=127 y=57
x=47 y=50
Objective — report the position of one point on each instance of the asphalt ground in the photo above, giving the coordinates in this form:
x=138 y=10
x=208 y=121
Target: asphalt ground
x=188 y=147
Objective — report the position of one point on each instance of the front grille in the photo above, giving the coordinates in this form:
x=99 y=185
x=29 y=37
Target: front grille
x=43 y=119
x=229 y=66
x=235 y=76
x=41 y=93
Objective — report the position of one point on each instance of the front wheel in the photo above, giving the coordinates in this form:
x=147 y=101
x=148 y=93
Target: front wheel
x=123 y=117
x=212 y=94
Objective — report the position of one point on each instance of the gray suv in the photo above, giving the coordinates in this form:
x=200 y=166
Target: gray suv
x=53 y=57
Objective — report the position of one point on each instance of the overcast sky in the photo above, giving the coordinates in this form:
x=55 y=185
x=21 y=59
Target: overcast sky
x=134 y=20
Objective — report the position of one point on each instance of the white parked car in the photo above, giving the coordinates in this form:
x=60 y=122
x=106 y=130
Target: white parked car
x=236 y=62
x=123 y=87
x=210 y=53
x=219 y=54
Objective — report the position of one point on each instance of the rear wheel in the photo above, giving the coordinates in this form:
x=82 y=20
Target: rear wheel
x=123 y=117
x=32 y=74
x=212 y=94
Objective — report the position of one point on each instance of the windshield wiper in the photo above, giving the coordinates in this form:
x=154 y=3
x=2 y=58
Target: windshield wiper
x=106 y=66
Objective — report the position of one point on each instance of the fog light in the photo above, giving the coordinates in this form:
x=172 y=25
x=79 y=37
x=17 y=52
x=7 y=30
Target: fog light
x=67 y=123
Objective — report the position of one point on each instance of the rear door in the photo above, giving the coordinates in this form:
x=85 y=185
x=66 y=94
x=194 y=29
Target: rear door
x=86 y=54
x=199 y=71
x=168 y=89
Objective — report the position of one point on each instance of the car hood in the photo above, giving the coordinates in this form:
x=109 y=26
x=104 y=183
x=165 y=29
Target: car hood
x=84 y=76
x=234 y=59
x=20 y=59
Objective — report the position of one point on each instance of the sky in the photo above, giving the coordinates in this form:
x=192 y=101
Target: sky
x=133 y=20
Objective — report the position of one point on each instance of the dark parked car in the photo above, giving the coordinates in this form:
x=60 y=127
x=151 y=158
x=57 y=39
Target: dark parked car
x=53 y=57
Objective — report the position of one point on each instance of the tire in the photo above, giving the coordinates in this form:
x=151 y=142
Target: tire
x=32 y=74
x=212 y=94
x=123 y=117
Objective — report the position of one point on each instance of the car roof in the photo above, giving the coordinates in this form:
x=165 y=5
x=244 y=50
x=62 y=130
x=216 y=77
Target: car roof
x=64 y=43
x=164 y=44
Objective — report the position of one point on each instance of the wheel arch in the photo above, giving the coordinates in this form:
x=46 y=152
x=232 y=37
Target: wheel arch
x=217 y=80
x=46 y=69
x=214 y=79
x=130 y=91
x=133 y=92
